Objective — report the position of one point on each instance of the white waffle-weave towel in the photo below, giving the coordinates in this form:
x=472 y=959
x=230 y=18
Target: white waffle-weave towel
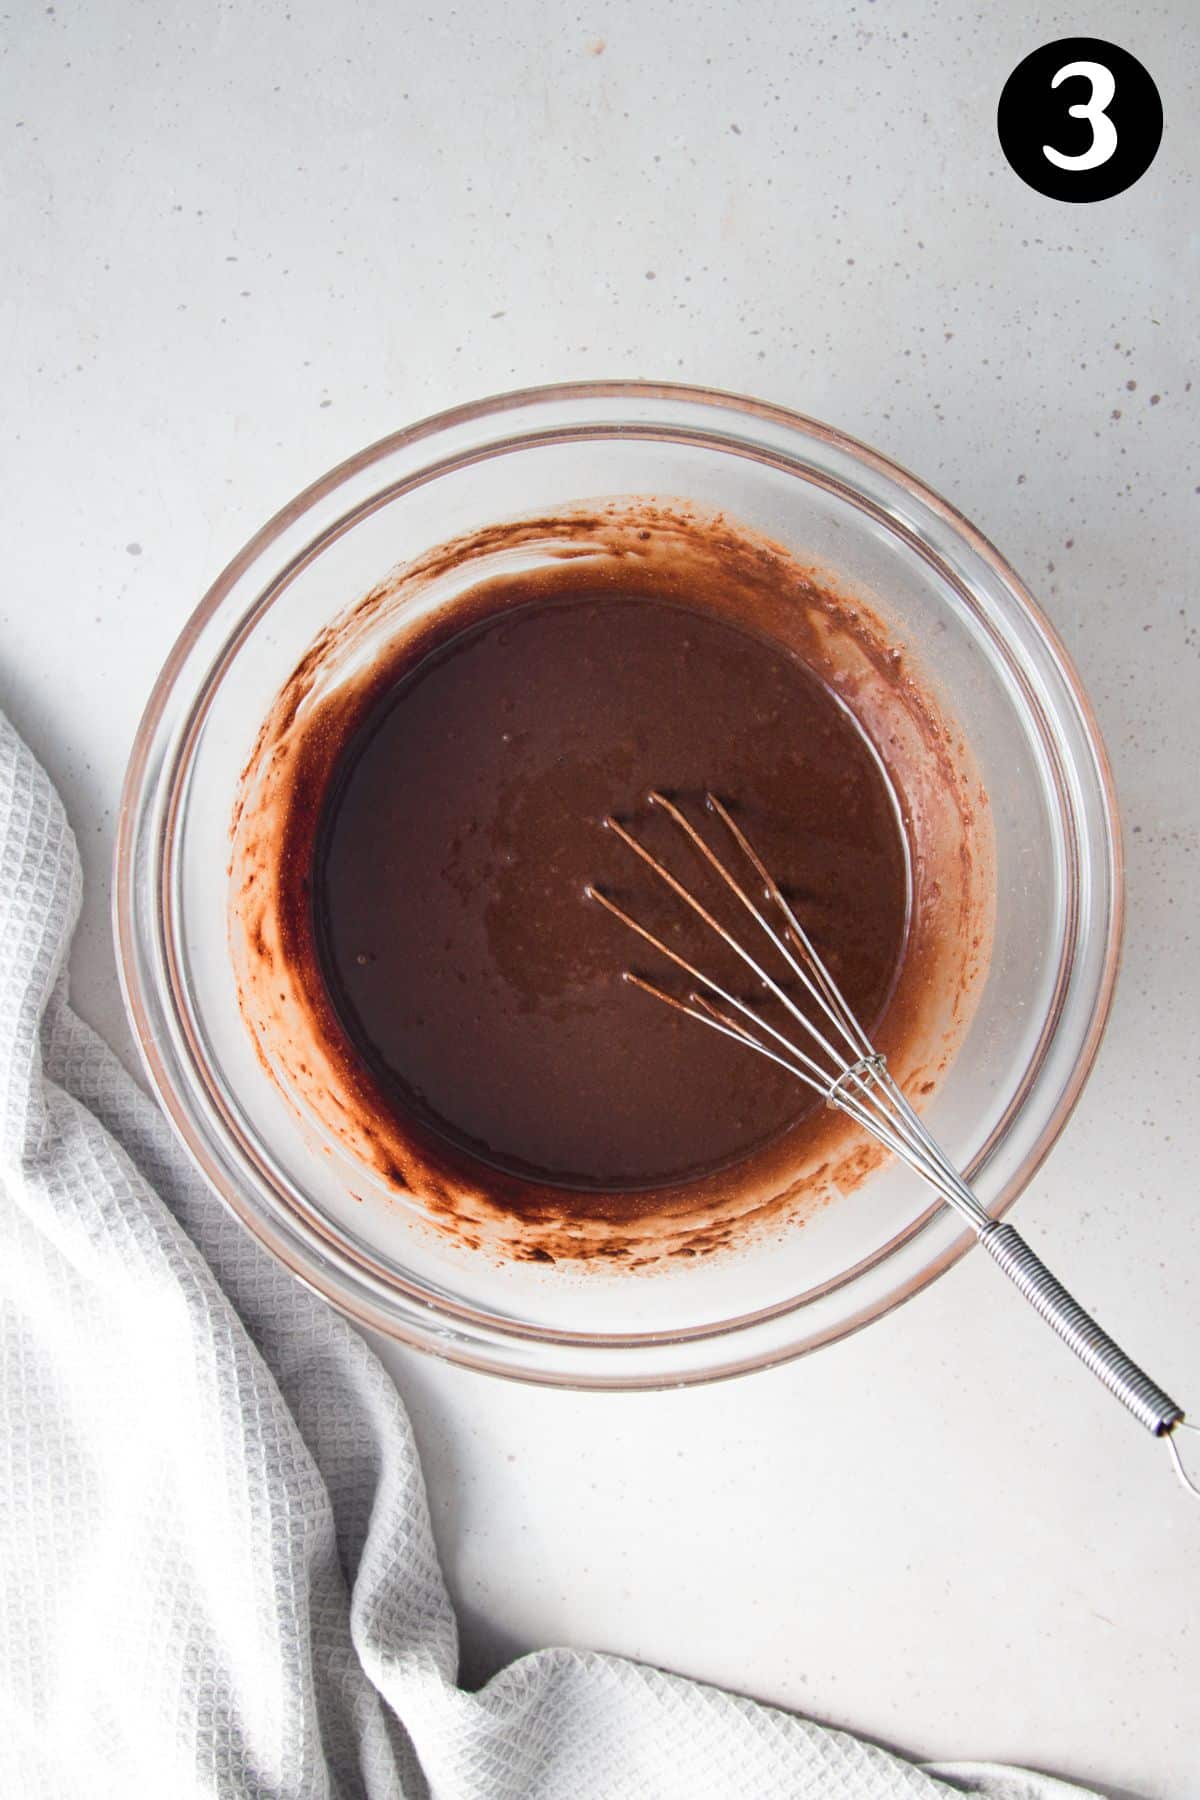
x=216 y=1571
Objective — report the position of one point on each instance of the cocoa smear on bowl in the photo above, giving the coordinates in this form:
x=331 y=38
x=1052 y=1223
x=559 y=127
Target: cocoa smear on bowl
x=302 y=995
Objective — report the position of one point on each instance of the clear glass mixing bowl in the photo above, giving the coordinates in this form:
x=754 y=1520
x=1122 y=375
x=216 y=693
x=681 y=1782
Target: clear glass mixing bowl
x=970 y=625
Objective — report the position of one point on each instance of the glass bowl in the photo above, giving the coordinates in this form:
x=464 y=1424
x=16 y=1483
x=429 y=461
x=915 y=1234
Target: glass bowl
x=949 y=599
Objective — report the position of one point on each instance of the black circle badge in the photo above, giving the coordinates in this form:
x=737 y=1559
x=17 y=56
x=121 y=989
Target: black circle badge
x=1080 y=119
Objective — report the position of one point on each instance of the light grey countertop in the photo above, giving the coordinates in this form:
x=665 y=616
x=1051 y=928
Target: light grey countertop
x=240 y=243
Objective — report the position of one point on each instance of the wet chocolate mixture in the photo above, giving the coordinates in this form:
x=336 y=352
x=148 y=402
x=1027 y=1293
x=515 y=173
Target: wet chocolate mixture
x=416 y=959
x=464 y=820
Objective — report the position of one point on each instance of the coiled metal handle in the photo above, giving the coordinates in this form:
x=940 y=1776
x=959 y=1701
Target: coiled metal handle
x=1093 y=1346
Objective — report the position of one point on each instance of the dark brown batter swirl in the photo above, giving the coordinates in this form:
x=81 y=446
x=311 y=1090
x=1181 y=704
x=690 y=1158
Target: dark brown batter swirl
x=420 y=971
x=464 y=822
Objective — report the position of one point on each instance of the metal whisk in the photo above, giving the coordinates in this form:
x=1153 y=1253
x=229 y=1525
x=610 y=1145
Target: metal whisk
x=827 y=1049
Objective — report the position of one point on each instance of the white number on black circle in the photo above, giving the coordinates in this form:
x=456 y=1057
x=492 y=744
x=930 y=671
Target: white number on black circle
x=1104 y=132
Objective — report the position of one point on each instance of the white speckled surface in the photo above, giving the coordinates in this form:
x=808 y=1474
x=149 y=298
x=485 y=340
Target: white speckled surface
x=242 y=242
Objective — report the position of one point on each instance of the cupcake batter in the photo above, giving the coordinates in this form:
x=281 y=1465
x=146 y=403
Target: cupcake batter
x=465 y=820
x=418 y=965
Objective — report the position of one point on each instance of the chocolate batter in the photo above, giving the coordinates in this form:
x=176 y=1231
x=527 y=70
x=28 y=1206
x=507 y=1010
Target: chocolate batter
x=417 y=963
x=480 y=987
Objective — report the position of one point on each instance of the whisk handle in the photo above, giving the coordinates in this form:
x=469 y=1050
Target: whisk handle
x=1122 y=1377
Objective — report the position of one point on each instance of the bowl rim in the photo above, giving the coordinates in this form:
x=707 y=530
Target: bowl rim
x=313 y=1268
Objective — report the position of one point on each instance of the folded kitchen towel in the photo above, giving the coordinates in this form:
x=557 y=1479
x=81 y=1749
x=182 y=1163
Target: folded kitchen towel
x=216 y=1570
